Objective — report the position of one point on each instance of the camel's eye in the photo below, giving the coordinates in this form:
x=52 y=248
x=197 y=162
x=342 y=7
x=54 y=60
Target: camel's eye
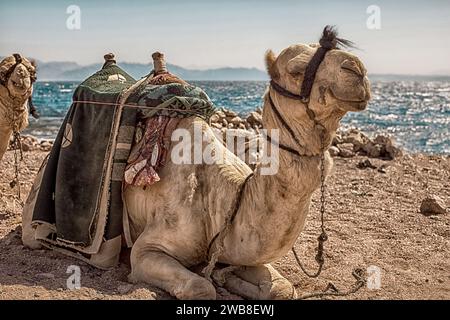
x=351 y=66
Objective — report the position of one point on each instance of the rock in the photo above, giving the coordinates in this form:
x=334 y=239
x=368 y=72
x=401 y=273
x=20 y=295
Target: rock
x=215 y=118
x=254 y=118
x=365 y=164
x=224 y=123
x=124 y=288
x=334 y=151
x=383 y=140
x=230 y=113
x=356 y=138
x=216 y=125
x=432 y=205
x=259 y=110
x=388 y=149
x=29 y=143
x=242 y=126
x=372 y=150
x=337 y=139
x=46 y=145
x=382 y=168
x=236 y=121
x=346 y=150
x=220 y=114
x=393 y=151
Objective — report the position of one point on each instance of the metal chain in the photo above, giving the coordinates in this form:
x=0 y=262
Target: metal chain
x=17 y=146
x=323 y=235
x=358 y=274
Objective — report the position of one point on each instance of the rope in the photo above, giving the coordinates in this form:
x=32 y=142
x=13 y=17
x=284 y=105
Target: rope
x=220 y=236
x=331 y=290
x=136 y=106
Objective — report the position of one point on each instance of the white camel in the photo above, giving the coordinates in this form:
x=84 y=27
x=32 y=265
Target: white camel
x=175 y=222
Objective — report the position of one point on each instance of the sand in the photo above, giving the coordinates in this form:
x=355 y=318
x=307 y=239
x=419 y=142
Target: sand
x=373 y=219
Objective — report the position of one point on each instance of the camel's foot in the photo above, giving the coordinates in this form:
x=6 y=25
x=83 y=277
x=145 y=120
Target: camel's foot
x=260 y=283
x=163 y=271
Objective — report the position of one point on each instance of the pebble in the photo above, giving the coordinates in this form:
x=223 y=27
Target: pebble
x=124 y=288
x=365 y=164
x=432 y=204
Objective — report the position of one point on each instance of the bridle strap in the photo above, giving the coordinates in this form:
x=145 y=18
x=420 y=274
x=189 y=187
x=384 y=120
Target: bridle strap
x=285 y=92
x=282 y=146
x=283 y=121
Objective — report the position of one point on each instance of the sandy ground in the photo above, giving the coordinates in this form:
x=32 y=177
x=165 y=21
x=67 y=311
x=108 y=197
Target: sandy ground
x=372 y=217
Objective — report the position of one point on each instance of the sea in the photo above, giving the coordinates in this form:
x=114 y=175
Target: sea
x=415 y=113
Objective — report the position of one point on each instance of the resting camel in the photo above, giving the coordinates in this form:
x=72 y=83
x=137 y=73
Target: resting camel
x=174 y=221
x=226 y=213
x=17 y=75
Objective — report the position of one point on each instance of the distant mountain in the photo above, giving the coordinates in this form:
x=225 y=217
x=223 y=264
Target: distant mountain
x=71 y=71
x=408 y=77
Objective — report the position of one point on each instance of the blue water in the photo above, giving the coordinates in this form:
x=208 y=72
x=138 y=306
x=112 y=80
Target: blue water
x=417 y=114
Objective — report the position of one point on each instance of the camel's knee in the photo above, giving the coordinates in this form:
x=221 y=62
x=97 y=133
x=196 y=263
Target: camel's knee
x=196 y=289
x=165 y=272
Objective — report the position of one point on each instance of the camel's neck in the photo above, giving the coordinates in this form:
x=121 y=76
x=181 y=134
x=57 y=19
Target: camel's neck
x=274 y=207
x=17 y=104
x=13 y=110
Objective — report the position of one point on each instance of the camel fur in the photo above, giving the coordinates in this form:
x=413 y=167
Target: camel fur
x=14 y=95
x=173 y=222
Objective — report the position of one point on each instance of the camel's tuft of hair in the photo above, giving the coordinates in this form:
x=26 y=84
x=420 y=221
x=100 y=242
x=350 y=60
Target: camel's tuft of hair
x=330 y=40
x=270 y=65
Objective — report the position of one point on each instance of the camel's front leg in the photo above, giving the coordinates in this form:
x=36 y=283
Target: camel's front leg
x=260 y=283
x=159 y=269
x=5 y=135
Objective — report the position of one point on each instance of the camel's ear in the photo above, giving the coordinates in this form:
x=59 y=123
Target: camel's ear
x=270 y=64
x=297 y=65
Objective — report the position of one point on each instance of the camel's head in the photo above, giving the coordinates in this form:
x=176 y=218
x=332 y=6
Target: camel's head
x=17 y=74
x=340 y=83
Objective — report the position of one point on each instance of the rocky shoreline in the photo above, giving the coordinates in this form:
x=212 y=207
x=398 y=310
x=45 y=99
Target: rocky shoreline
x=346 y=143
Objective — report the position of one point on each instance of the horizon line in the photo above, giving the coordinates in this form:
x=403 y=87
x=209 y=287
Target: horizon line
x=206 y=68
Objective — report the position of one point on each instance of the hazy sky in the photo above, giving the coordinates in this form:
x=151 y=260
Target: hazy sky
x=414 y=37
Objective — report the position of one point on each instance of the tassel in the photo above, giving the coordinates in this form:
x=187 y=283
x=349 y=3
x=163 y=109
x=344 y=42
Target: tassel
x=33 y=110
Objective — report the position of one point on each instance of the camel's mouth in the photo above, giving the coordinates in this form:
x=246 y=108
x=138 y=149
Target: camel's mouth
x=356 y=105
x=352 y=104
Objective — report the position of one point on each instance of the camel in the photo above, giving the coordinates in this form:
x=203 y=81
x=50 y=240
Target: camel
x=174 y=222
x=225 y=213
x=17 y=75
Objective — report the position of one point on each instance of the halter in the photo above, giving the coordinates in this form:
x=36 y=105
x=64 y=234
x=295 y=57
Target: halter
x=328 y=41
